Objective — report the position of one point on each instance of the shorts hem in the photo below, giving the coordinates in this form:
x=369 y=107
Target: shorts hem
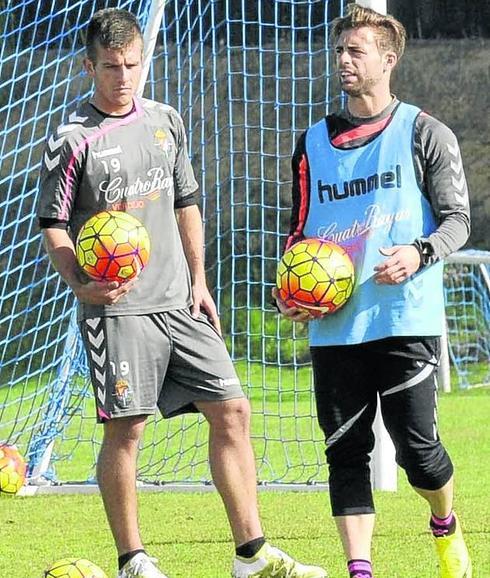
x=131 y=413
x=355 y=511
x=190 y=406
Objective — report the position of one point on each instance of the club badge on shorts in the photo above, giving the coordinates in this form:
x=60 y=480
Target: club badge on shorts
x=123 y=394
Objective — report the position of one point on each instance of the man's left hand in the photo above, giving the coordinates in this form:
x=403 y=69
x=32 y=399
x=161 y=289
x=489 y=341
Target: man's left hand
x=402 y=262
x=203 y=302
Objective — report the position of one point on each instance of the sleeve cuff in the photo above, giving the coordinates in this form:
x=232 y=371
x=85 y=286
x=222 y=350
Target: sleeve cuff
x=52 y=223
x=426 y=252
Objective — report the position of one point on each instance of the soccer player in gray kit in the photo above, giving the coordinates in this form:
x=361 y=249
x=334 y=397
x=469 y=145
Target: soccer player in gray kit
x=155 y=341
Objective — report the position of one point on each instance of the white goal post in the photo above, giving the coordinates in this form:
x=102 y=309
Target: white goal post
x=150 y=36
x=378 y=5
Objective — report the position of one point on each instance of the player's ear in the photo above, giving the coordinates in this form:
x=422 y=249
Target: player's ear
x=89 y=67
x=390 y=60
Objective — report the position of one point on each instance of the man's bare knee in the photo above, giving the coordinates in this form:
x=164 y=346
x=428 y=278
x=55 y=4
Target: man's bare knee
x=230 y=417
x=124 y=431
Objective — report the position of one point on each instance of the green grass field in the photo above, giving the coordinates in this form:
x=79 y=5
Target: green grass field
x=189 y=534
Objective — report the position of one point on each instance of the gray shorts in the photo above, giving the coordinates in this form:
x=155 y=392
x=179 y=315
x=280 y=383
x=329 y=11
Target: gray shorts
x=159 y=360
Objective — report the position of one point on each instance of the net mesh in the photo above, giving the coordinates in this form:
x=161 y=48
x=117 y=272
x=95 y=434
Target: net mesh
x=247 y=78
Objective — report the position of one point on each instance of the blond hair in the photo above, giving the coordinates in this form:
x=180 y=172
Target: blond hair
x=390 y=33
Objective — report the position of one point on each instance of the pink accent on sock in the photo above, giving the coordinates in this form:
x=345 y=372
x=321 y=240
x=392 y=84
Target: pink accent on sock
x=361 y=566
x=443 y=521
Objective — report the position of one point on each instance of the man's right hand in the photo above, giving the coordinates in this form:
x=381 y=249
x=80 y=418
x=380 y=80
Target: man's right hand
x=294 y=313
x=62 y=254
x=103 y=292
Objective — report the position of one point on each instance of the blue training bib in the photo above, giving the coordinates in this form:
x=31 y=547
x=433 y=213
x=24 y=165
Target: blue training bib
x=364 y=199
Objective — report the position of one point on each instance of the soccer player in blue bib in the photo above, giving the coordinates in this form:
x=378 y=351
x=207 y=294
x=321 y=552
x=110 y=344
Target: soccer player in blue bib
x=154 y=342
x=385 y=181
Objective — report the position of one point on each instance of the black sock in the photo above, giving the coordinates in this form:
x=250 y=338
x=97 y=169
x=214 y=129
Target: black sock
x=251 y=548
x=125 y=558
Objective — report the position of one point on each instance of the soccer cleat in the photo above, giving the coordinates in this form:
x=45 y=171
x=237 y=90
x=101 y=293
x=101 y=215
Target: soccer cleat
x=454 y=560
x=270 y=562
x=140 y=566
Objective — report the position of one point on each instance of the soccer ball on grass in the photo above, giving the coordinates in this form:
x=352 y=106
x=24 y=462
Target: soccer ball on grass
x=316 y=275
x=74 y=568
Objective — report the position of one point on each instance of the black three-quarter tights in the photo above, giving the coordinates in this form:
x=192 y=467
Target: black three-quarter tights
x=347 y=380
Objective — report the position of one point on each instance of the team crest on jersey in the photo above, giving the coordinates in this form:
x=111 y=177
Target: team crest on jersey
x=124 y=394
x=162 y=141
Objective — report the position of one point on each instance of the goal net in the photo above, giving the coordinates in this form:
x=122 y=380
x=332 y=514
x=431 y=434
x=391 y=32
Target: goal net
x=247 y=78
x=467 y=291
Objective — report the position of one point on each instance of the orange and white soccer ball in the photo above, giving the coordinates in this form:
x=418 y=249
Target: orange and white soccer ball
x=12 y=470
x=113 y=246
x=316 y=275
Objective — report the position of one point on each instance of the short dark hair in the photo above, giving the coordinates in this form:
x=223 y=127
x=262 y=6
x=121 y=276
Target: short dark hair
x=390 y=33
x=112 y=28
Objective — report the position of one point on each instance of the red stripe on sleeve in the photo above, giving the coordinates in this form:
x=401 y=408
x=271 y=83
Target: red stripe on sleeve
x=304 y=201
